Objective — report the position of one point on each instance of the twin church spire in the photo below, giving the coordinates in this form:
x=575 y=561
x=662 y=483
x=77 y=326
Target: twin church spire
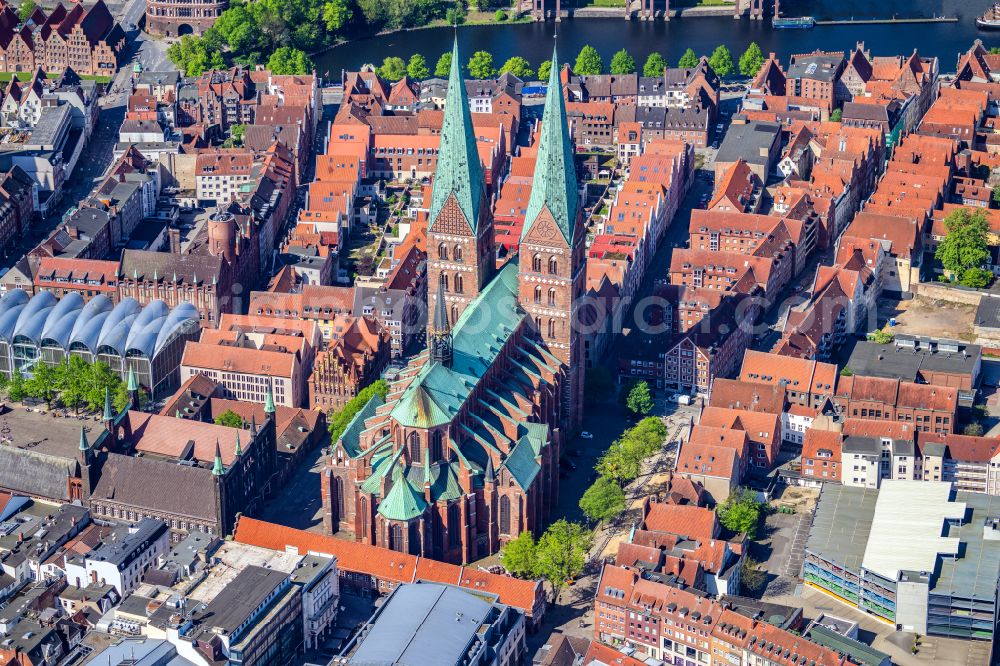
x=459 y=171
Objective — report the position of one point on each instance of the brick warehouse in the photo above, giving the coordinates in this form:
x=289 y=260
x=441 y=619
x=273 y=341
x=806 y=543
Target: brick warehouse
x=464 y=453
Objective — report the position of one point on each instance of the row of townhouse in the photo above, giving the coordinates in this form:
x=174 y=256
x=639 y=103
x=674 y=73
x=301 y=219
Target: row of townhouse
x=89 y=41
x=816 y=84
x=660 y=621
x=864 y=453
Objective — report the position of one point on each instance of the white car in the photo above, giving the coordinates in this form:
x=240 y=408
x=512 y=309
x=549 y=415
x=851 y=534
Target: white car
x=586 y=435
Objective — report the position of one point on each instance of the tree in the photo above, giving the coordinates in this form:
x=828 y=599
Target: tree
x=519 y=67
x=562 y=553
x=618 y=464
x=965 y=245
x=339 y=421
x=236 y=135
x=481 y=65
x=15 y=388
x=741 y=512
x=655 y=64
x=500 y=16
x=837 y=115
x=881 y=337
x=622 y=63
x=417 y=67
x=26 y=9
x=230 y=419
x=688 y=60
x=545 y=70
x=443 y=66
x=392 y=69
x=100 y=377
x=752 y=60
x=846 y=372
x=588 y=62
x=72 y=380
x=752 y=577
x=976 y=278
x=639 y=400
x=455 y=15
x=193 y=56
x=120 y=398
x=43 y=383
x=973 y=430
x=721 y=61
x=288 y=60
x=604 y=500
x=996 y=194
x=336 y=14
x=519 y=556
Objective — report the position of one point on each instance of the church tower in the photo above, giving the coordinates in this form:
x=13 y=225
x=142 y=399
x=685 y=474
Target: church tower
x=460 y=245
x=552 y=273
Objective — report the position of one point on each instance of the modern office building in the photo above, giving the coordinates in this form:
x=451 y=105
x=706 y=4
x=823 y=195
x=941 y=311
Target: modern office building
x=127 y=336
x=916 y=554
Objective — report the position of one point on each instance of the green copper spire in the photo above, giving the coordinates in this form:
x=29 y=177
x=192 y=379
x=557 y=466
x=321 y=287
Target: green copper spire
x=109 y=414
x=218 y=469
x=133 y=381
x=269 y=401
x=239 y=449
x=458 y=169
x=554 y=183
x=84 y=444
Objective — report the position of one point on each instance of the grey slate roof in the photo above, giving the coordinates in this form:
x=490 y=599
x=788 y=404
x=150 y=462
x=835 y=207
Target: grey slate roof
x=747 y=141
x=35 y=474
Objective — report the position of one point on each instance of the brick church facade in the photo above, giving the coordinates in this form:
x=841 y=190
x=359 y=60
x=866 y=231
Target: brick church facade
x=463 y=454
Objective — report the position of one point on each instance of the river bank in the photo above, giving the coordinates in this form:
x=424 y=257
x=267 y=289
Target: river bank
x=533 y=40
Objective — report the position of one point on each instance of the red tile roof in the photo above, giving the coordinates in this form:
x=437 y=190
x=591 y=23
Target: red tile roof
x=390 y=565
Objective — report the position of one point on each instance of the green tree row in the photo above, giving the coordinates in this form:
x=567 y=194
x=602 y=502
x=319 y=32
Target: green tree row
x=558 y=556
x=74 y=383
x=482 y=65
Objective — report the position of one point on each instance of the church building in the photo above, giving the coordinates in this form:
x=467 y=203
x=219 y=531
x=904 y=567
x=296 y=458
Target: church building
x=463 y=454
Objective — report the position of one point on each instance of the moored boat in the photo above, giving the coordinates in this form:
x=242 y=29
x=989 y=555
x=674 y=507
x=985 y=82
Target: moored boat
x=990 y=19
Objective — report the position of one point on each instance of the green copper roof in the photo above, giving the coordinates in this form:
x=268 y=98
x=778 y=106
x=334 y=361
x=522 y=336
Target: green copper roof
x=403 y=501
x=109 y=414
x=350 y=439
x=383 y=460
x=218 y=469
x=239 y=447
x=458 y=169
x=269 y=401
x=84 y=444
x=438 y=392
x=554 y=183
x=133 y=381
x=521 y=463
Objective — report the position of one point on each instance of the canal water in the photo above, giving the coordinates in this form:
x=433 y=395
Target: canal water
x=534 y=40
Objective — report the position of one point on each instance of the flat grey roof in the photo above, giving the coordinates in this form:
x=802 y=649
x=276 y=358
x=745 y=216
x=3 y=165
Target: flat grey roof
x=862 y=445
x=50 y=123
x=241 y=597
x=841 y=524
x=907 y=528
x=864 y=654
x=744 y=142
x=426 y=624
x=891 y=361
x=820 y=67
x=975 y=574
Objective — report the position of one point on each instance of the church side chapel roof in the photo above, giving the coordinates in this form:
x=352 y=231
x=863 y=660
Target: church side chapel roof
x=438 y=392
x=403 y=501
